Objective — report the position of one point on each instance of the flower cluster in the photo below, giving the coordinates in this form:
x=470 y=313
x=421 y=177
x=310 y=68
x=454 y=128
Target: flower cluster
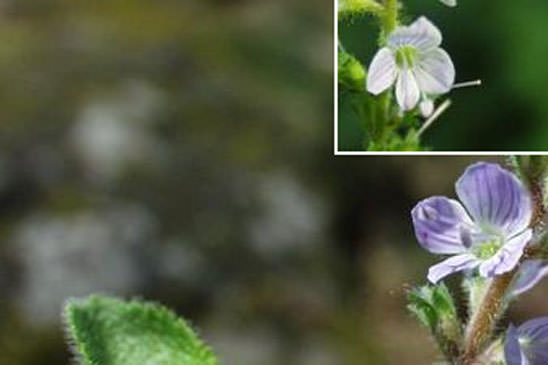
x=485 y=236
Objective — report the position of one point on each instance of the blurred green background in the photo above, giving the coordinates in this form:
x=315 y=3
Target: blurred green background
x=181 y=152
x=503 y=43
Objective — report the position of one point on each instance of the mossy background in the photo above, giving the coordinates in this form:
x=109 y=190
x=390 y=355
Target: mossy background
x=500 y=43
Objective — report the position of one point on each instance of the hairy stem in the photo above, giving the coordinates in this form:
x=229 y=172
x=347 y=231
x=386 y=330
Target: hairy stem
x=388 y=20
x=449 y=348
x=483 y=322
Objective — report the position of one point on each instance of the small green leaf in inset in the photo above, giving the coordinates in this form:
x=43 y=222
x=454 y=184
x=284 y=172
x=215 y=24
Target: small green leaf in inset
x=359 y=7
x=108 y=331
x=351 y=72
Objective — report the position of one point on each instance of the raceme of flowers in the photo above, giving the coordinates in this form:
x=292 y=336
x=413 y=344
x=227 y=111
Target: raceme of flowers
x=413 y=61
x=485 y=234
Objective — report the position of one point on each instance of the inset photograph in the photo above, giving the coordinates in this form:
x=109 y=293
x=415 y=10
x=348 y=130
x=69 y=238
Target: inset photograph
x=440 y=76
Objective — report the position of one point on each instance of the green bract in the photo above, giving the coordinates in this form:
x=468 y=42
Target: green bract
x=434 y=307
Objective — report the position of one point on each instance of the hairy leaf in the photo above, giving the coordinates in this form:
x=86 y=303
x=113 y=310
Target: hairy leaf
x=108 y=331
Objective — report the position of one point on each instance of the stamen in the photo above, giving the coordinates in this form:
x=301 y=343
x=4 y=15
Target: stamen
x=487 y=248
x=434 y=116
x=467 y=84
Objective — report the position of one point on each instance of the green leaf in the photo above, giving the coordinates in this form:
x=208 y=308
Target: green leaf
x=359 y=7
x=443 y=301
x=108 y=331
x=433 y=305
x=420 y=305
x=350 y=71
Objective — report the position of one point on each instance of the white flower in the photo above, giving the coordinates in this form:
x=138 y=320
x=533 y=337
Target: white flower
x=413 y=61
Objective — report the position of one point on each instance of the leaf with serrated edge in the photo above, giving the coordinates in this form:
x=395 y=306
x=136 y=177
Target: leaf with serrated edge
x=108 y=331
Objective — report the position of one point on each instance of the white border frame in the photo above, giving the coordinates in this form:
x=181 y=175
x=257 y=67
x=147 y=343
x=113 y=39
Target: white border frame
x=336 y=151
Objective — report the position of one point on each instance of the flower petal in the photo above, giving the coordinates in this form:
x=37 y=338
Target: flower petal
x=507 y=256
x=495 y=197
x=407 y=90
x=421 y=33
x=439 y=223
x=435 y=72
x=512 y=349
x=451 y=265
x=535 y=329
x=382 y=71
x=530 y=273
x=534 y=344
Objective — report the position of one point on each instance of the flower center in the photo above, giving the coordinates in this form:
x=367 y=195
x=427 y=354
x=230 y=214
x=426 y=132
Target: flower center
x=405 y=56
x=487 y=248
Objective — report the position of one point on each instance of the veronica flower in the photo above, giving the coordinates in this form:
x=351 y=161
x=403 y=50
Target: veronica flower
x=527 y=344
x=529 y=274
x=489 y=232
x=414 y=62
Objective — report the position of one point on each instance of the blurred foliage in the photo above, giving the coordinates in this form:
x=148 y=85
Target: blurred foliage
x=502 y=45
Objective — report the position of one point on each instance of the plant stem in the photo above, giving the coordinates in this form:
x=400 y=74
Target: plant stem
x=389 y=19
x=446 y=104
x=483 y=322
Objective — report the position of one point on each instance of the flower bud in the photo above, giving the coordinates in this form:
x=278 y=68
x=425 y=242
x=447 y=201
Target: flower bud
x=426 y=107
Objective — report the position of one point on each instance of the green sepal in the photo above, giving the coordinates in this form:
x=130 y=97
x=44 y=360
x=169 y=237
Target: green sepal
x=443 y=301
x=433 y=305
x=421 y=306
x=530 y=168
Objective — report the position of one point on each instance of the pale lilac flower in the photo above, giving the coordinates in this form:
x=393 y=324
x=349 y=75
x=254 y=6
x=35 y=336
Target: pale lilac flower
x=527 y=344
x=529 y=274
x=414 y=62
x=489 y=232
